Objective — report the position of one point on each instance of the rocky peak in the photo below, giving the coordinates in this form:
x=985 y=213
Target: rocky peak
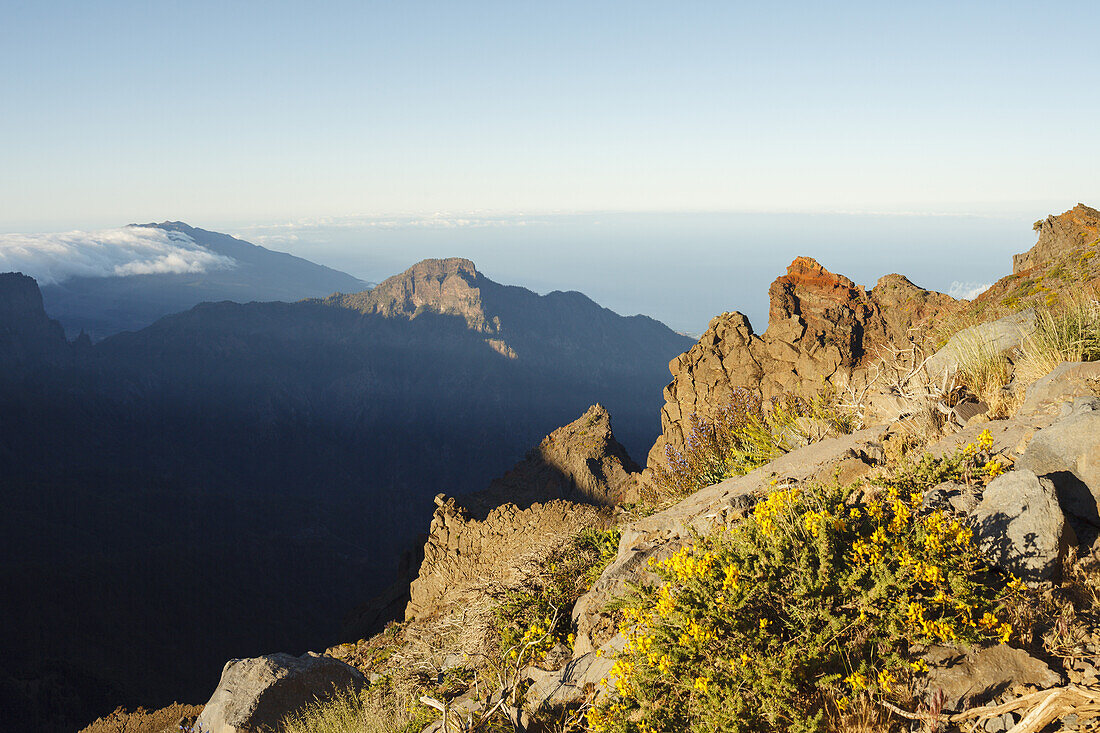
x=27 y=335
x=448 y=286
x=1066 y=232
x=809 y=302
x=581 y=462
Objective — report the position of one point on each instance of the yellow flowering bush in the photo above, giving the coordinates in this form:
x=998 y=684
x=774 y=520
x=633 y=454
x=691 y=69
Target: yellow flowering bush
x=822 y=595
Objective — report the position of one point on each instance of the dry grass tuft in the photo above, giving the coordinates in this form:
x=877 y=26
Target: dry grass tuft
x=372 y=711
x=1068 y=333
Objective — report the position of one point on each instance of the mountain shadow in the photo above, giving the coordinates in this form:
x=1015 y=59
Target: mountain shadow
x=232 y=480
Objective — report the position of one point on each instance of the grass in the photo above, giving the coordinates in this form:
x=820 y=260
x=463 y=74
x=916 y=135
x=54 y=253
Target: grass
x=374 y=710
x=986 y=372
x=1069 y=332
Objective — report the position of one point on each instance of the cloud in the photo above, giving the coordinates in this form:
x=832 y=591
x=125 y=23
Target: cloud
x=967 y=290
x=54 y=258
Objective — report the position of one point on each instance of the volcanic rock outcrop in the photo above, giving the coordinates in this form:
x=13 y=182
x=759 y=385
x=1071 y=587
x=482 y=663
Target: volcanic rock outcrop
x=581 y=462
x=823 y=329
x=561 y=487
x=1058 y=234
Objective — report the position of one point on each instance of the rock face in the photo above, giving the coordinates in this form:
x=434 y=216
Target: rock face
x=581 y=462
x=1054 y=394
x=822 y=331
x=564 y=485
x=254 y=695
x=1021 y=526
x=441 y=286
x=1068 y=454
x=1057 y=234
x=27 y=335
x=463 y=555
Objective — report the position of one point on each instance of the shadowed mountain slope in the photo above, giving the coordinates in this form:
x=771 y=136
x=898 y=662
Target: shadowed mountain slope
x=236 y=477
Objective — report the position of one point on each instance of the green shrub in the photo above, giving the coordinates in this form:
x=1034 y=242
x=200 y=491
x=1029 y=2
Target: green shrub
x=820 y=600
x=540 y=610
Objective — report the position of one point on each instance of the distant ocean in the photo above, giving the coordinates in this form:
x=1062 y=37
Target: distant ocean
x=679 y=268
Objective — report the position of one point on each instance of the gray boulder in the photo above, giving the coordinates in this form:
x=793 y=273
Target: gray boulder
x=255 y=694
x=1068 y=453
x=1053 y=394
x=1021 y=527
x=1000 y=336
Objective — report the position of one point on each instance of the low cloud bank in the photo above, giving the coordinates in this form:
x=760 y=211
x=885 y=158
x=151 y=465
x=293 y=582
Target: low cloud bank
x=54 y=258
x=967 y=290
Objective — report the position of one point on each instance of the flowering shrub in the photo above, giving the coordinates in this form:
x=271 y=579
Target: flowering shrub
x=822 y=595
x=743 y=436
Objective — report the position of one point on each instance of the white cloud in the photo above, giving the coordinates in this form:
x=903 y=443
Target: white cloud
x=54 y=258
x=967 y=290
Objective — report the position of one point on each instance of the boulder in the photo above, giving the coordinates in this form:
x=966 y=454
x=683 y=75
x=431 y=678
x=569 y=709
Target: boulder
x=1068 y=454
x=1000 y=336
x=255 y=694
x=1054 y=394
x=981 y=675
x=1021 y=527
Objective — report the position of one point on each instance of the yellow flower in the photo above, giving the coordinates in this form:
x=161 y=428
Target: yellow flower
x=856 y=681
x=985 y=440
x=885 y=679
x=919 y=666
x=701 y=684
x=993 y=468
x=664 y=664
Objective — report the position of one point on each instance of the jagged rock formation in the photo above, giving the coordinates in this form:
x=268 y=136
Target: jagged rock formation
x=463 y=556
x=581 y=462
x=1062 y=264
x=1068 y=231
x=822 y=330
x=564 y=485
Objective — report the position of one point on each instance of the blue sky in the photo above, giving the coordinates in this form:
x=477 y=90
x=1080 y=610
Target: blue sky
x=669 y=158
x=248 y=112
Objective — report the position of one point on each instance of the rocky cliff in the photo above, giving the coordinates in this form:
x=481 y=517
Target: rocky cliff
x=28 y=337
x=562 y=486
x=823 y=330
x=1058 y=234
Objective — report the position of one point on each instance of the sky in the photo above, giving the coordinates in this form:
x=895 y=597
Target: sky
x=238 y=116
